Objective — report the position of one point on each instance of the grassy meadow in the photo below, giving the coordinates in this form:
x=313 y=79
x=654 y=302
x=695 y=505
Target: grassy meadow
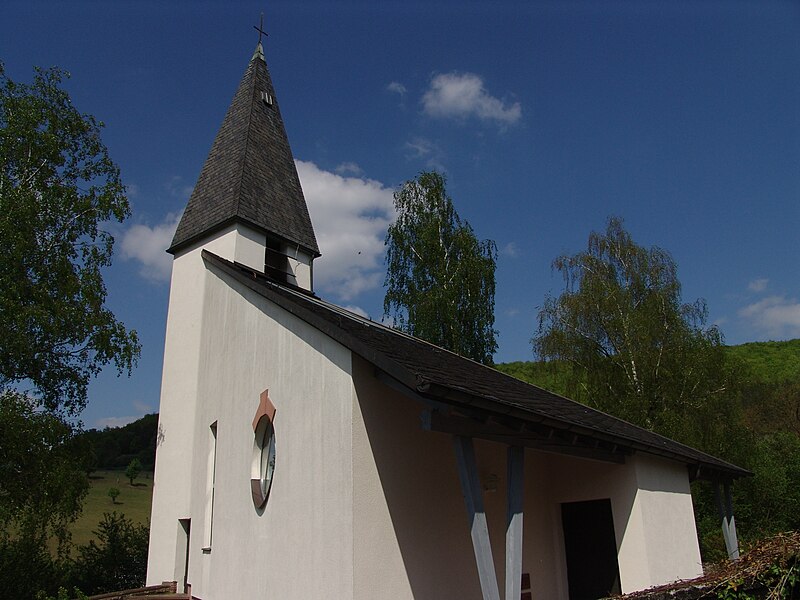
x=133 y=501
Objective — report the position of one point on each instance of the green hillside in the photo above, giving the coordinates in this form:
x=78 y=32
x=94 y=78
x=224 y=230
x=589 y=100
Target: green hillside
x=116 y=447
x=767 y=363
x=770 y=362
x=133 y=501
x=113 y=448
x=553 y=376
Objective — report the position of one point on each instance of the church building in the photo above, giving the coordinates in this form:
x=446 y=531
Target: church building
x=307 y=452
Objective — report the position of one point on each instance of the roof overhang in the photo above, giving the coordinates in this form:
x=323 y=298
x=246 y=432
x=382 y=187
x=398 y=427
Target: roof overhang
x=457 y=410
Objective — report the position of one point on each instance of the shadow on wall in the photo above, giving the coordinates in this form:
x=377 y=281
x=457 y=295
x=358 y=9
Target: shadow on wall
x=420 y=485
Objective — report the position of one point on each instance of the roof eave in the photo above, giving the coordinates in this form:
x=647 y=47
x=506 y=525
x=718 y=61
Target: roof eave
x=198 y=237
x=704 y=466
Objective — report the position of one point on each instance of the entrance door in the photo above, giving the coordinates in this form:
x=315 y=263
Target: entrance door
x=591 y=548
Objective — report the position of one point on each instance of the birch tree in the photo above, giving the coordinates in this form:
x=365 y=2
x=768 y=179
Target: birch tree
x=636 y=350
x=440 y=277
x=58 y=189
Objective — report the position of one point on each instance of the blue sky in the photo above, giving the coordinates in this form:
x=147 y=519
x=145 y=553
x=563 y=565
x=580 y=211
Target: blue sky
x=546 y=117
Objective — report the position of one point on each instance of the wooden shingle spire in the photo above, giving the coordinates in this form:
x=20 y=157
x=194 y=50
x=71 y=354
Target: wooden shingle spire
x=249 y=176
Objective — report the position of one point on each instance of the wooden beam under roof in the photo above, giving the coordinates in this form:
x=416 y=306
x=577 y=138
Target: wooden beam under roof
x=554 y=441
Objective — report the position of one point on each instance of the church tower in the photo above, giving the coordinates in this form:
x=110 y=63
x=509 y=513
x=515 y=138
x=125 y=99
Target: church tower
x=247 y=207
x=249 y=187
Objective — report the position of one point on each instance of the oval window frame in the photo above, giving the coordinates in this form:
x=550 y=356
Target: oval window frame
x=262 y=467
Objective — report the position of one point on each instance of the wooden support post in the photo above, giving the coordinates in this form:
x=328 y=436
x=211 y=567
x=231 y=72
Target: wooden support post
x=514 y=487
x=479 y=529
x=734 y=552
x=725 y=511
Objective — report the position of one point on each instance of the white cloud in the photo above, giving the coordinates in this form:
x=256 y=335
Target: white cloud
x=142 y=407
x=397 y=88
x=775 y=316
x=420 y=148
x=389 y=321
x=349 y=167
x=148 y=246
x=758 y=285
x=350 y=217
x=510 y=249
x=177 y=188
x=462 y=95
x=115 y=421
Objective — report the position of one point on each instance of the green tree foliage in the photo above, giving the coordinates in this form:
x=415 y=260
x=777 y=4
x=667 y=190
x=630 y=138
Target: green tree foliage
x=768 y=443
x=42 y=484
x=57 y=188
x=636 y=350
x=773 y=407
x=63 y=594
x=116 y=447
x=769 y=502
x=440 y=278
x=116 y=561
x=555 y=376
x=113 y=493
x=771 y=362
x=133 y=470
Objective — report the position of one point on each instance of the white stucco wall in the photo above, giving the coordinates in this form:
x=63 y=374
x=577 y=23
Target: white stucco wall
x=660 y=541
x=179 y=387
x=300 y=545
x=411 y=538
x=652 y=511
x=411 y=531
x=300 y=265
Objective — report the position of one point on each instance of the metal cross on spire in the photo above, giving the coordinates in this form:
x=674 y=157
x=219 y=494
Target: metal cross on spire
x=260 y=28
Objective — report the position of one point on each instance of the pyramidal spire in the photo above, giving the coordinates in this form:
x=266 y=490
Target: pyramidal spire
x=249 y=176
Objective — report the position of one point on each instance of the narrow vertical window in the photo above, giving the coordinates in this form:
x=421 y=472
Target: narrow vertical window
x=212 y=468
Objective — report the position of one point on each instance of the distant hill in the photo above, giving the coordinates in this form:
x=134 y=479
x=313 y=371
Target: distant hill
x=553 y=376
x=768 y=363
x=116 y=447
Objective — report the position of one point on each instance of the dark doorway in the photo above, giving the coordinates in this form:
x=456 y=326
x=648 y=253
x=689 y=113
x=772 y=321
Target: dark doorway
x=182 y=554
x=591 y=548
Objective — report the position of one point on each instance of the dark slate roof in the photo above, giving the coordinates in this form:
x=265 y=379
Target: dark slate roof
x=249 y=175
x=436 y=373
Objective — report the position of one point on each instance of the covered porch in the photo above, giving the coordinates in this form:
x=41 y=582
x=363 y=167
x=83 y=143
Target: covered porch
x=545 y=509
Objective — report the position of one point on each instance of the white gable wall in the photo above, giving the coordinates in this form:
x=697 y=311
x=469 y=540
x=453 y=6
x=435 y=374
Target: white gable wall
x=300 y=545
x=179 y=386
x=412 y=535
